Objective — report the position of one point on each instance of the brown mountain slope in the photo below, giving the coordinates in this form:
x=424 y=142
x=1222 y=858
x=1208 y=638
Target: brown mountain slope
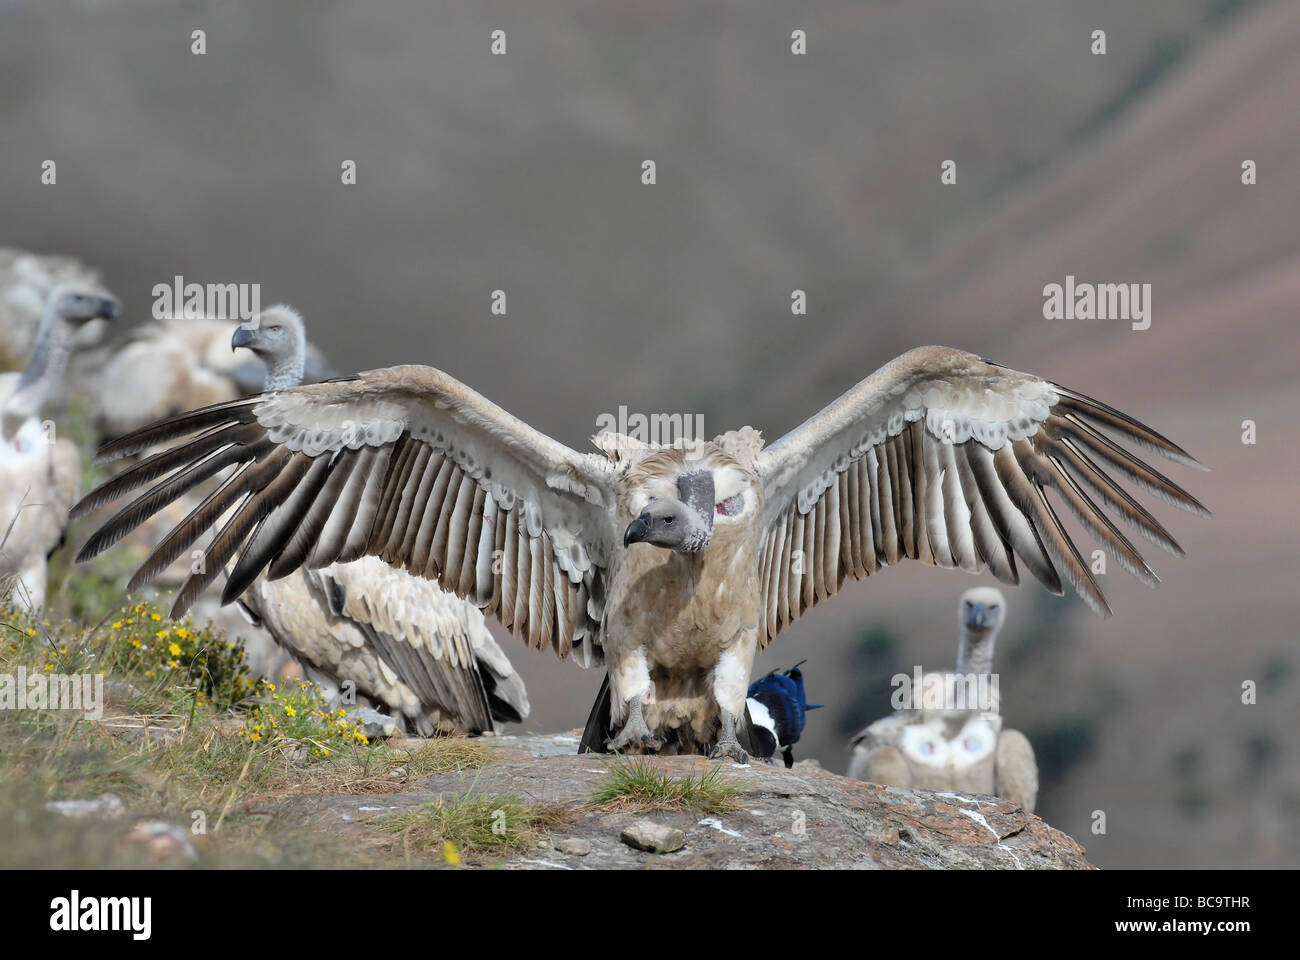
x=1187 y=774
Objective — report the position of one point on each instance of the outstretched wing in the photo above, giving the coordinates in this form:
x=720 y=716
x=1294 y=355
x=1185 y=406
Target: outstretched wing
x=405 y=463
x=946 y=458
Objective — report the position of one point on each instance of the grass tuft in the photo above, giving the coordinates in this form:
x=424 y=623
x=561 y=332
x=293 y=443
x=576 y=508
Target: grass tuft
x=473 y=824
x=635 y=785
x=184 y=736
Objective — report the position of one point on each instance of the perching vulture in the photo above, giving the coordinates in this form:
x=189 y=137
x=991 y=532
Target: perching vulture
x=965 y=747
x=424 y=654
x=176 y=364
x=671 y=565
x=40 y=472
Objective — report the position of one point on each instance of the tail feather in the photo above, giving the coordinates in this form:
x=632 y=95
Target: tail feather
x=599 y=722
x=746 y=735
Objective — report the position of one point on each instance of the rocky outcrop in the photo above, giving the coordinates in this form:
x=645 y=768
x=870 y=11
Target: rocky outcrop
x=804 y=818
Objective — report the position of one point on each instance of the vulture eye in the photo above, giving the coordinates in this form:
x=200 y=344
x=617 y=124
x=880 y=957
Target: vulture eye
x=668 y=520
x=274 y=329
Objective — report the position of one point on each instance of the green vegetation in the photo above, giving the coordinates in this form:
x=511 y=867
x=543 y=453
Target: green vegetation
x=185 y=737
x=875 y=659
x=635 y=785
x=1187 y=761
x=1219 y=11
x=1193 y=800
x=472 y=824
x=1261 y=751
x=1063 y=743
x=1162 y=56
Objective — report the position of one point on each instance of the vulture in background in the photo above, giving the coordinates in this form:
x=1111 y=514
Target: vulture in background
x=40 y=472
x=671 y=565
x=424 y=654
x=26 y=282
x=963 y=750
x=177 y=364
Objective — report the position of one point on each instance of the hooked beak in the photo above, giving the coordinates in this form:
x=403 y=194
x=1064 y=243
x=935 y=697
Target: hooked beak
x=977 y=617
x=242 y=338
x=109 y=309
x=637 y=530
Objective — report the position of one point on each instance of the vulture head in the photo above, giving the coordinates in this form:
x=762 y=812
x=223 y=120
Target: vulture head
x=78 y=305
x=683 y=523
x=275 y=333
x=277 y=336
x=981 y=610
x=980 y=615
x=679 y=496
x=68 y=309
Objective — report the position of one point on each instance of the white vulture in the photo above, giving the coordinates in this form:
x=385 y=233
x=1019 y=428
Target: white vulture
x=40 y=472
x=423 y=653
x=177 y=364
x=26 y=281
x=672 y=566
x=963 y=748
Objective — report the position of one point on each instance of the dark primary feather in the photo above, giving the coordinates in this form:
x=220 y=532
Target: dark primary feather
x=173 y=428
x=406 y=502
x=966 y=505
x=599 y=722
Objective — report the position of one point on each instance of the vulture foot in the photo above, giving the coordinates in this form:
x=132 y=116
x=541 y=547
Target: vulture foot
x=635 y=733
x=729 y=748
x=643 y=739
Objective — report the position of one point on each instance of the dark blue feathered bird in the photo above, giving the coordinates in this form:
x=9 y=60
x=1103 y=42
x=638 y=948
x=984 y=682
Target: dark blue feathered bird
x=777 y=705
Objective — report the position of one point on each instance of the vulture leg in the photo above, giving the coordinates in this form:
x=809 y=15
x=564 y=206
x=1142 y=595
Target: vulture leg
x=730 y=683
x=635 y=733
x=728 y=744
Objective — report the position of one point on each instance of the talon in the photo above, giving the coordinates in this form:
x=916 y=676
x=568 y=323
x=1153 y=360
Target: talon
x=632 y=737
x=615 y=744
x=730 y=749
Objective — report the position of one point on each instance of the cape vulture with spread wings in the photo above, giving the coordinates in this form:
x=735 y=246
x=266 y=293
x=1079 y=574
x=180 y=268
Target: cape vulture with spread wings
x=670 y=565
x=422 y=653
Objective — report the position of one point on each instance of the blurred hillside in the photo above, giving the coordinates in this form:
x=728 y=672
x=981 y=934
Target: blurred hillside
x=775 y=172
